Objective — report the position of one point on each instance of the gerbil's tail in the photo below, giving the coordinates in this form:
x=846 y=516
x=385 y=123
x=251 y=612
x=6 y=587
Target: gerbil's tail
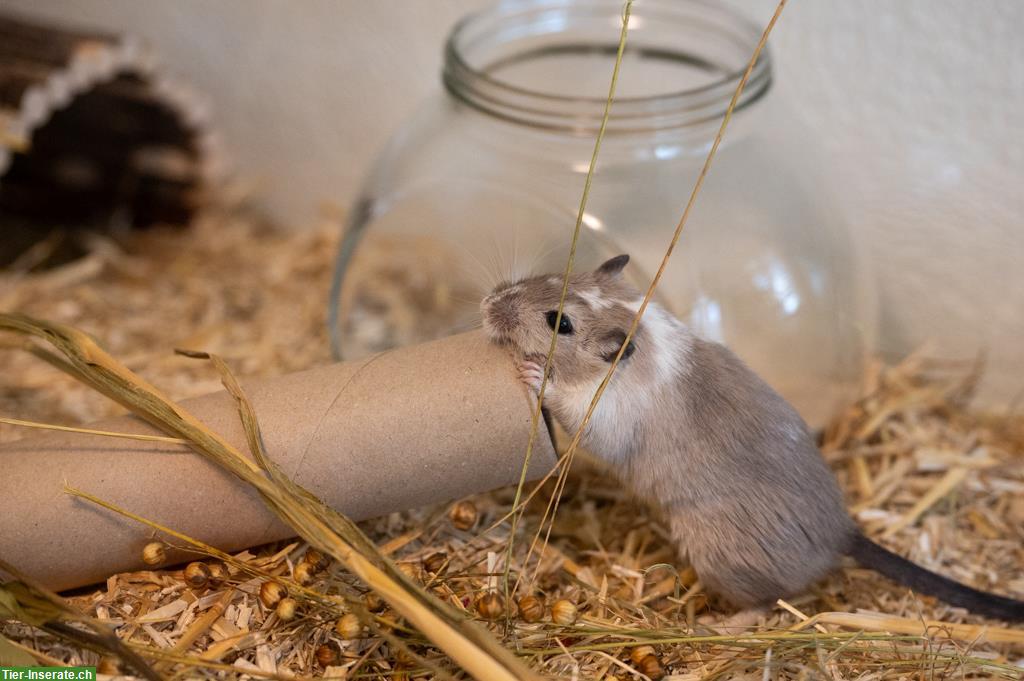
x=899 y=569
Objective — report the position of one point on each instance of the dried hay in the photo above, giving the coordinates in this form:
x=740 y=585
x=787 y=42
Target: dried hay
x=925 y=475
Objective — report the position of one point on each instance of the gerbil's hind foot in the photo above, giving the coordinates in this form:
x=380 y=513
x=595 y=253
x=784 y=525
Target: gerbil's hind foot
x=531 y=372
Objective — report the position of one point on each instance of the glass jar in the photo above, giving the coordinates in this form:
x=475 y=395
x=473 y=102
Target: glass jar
x=484 y=184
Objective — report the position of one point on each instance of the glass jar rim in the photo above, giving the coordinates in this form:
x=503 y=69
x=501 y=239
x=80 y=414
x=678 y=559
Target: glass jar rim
x=478 y=87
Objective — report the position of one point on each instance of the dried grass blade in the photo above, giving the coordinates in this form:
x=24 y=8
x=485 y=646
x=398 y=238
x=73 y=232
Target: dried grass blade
x=90 y=431
x=559 y=311
x=870 y=621
x=574 y=444
x=469 y=645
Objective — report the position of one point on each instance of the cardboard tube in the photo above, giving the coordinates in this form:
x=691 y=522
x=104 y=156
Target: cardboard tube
x=402 y=429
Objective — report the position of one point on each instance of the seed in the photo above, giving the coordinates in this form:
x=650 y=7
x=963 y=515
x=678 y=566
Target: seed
x=563 y=612
x=435 y=563
x=463 y=515
x=327 y=655
x=316 y=560
x=348 y=627
x=286 y=609
x=271 y=593
x=196 y=575
x=153 y=553
x=374 y=603
x=303 y=573
x=640 y=652
x=218 y=574
x=491 y=605
x=531 y=608
x=650 y=666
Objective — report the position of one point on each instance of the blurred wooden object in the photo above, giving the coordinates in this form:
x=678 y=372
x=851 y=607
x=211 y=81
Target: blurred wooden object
x=93 y=135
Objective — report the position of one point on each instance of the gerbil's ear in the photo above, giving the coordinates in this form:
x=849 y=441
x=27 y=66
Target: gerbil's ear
x=614 y=266
x=611 y=343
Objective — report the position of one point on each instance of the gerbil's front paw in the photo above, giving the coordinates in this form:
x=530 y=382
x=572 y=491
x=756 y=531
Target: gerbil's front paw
x=531 y=372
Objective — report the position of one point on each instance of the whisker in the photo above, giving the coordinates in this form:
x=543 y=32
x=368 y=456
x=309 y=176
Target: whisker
x=468 y=326
x=483 y=276
x=471 y=301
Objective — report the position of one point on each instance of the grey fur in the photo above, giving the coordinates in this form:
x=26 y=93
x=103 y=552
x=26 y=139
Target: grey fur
x=746 y=492
x=685 y=423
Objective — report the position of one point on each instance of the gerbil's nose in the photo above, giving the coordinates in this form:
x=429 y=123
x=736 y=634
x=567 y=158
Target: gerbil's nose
x=487 y=306
x=498 y=315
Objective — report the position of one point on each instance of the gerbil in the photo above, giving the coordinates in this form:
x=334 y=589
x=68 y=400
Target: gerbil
x=748 y=497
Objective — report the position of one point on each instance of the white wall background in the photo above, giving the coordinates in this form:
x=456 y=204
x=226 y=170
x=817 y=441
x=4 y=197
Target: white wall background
x=919 y=104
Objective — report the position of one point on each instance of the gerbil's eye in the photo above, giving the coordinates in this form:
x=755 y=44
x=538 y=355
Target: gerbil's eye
x=564 y=325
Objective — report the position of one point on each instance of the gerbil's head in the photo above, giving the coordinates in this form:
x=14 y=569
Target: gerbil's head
x=596 y=317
